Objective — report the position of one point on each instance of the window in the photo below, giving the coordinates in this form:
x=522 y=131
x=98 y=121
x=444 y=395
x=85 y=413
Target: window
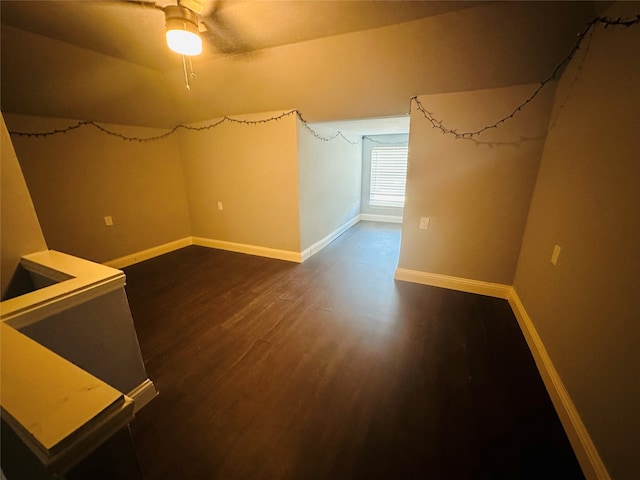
x=388 y=176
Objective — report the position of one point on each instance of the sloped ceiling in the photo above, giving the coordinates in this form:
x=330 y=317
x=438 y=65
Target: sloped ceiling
x=332 y=60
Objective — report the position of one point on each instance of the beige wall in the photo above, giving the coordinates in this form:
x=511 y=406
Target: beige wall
x=587 y=200
x=329 y=184
x=51 y=78
x=79 y=177
x=252 y=170
x=476 y=192
x=20 y=231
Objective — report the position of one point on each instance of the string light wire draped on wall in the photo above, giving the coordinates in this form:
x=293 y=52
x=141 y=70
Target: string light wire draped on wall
x=209 y=126
x=435 y=123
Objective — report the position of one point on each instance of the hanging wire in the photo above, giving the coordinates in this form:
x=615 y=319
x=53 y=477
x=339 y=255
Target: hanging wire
x=166 y=134
x=384 y=142
x=435 y=123
x=313 y=132
x=578 y=70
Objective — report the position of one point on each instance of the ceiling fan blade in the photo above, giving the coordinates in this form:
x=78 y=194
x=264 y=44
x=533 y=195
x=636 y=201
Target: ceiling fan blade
x=196 y=6
x=141 y=3
x=220 y=33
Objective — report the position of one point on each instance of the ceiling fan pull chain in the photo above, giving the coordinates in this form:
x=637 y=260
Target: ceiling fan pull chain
x=193 y=74
x=186 y=77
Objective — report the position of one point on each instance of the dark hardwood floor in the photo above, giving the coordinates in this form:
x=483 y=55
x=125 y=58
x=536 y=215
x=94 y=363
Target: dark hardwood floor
x=332 y=370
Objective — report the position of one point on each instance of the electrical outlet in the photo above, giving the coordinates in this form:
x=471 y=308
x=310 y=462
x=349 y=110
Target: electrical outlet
x=424 y=223
x=220 y=207
x=555 y=254
x=108 y=221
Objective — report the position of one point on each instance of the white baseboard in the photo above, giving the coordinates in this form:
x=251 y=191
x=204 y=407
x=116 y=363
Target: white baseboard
x=454 y=283
x=590 y=461
x=319 y=245
x=149 y=253
x=373 y=217
x=288 y=255
x=586 y=452
x=142 y=395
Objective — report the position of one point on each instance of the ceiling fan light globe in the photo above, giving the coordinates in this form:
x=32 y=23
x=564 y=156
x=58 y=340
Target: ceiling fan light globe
x=184 y=42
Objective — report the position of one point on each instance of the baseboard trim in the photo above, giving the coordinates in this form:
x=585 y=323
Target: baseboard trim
x=142 y=395
x=374 y=217
x=590 y=461
x=453 y=283
x=319 y=245
x=592 y=465
x=149 y=253
x=287 y=255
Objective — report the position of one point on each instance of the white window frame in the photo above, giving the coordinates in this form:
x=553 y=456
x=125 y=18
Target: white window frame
x=387 y=185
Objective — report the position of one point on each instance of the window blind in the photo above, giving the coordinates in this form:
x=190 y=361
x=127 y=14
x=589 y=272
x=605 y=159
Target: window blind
x=388 y=176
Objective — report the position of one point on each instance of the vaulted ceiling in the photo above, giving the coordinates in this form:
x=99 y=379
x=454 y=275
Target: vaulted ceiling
x=332 y=60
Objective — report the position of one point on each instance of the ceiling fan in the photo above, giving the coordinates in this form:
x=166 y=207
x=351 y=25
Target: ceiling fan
x=187 y=25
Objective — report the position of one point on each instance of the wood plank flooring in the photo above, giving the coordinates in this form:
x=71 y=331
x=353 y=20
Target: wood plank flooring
x=332 y=370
